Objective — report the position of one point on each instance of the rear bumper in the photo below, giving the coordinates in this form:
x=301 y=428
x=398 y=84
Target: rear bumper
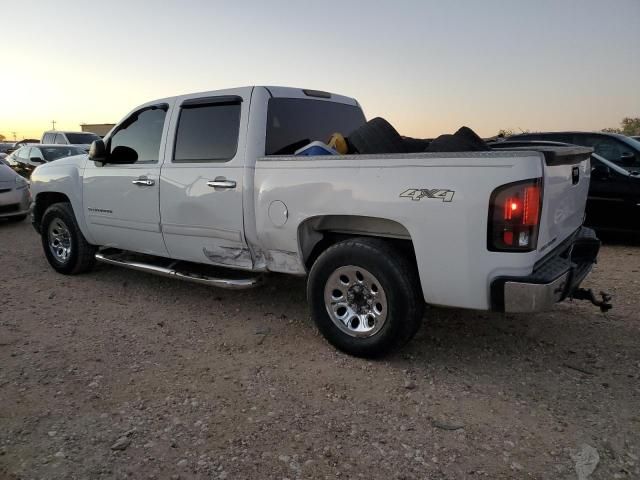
x=553 y=278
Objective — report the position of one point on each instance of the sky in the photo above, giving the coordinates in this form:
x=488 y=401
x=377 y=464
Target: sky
x=428 y=66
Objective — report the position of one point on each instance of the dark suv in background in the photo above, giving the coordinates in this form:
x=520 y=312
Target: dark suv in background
x=614 y=192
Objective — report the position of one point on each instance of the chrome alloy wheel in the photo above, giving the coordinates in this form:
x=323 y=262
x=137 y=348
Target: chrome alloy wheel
x=59 y=239
x=355 y=301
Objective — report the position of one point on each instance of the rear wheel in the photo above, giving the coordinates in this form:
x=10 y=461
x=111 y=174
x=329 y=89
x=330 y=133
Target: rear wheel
x=64 y=244
x=365 y=297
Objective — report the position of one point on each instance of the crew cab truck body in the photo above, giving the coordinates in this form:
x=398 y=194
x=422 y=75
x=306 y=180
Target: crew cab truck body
x=205 y=187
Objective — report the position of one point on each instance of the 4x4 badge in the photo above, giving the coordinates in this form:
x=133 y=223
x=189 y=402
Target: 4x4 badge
x=420 y=193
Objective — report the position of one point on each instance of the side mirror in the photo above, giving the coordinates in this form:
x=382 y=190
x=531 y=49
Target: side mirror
x=123 y=155
x=98 y=151
x=37 y=160
x=600 y=171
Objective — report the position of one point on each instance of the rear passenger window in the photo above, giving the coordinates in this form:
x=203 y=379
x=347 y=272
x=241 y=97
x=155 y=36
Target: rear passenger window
x=207 y=132
x=48 y=138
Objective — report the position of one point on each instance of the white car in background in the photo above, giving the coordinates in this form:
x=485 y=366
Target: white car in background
x=79 y=139
x=15 y=198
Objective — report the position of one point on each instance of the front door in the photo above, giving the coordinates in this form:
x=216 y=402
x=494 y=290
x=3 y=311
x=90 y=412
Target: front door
x=201 y=184
x=614 y=197
x=122 y=202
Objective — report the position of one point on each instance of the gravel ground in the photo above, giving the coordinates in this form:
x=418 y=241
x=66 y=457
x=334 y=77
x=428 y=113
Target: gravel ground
x=120 y=374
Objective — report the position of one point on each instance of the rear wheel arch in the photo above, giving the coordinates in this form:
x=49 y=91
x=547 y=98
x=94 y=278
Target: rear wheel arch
x=316 y=234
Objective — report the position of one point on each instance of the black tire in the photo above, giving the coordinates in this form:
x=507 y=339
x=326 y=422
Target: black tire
x=81 y=257
x=399 y=281
x=17 y=218
x=377 y=136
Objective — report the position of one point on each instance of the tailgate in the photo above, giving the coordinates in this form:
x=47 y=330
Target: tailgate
x=567 y=173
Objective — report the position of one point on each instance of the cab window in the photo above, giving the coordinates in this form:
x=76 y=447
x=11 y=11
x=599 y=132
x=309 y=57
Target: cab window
x=207 y=132
x=141 y=132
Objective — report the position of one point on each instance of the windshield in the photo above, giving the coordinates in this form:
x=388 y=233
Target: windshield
x=82 y=138
x=633 y=142
x=294 y=122
x=54 y=153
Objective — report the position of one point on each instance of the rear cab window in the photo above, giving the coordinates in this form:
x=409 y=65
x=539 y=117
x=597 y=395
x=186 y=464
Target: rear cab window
x=292 y=123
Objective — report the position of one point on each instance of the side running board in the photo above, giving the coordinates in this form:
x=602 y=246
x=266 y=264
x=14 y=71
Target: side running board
x=191 y=272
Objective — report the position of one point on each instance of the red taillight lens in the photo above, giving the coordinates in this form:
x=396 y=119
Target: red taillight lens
x=514 y=216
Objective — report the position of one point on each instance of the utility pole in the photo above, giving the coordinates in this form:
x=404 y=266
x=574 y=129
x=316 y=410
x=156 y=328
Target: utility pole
x=53 y=122
x=14 y=136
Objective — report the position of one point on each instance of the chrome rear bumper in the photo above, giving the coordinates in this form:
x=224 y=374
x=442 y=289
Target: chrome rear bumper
x=553 y=279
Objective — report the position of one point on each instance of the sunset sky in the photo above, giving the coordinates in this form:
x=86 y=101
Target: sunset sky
x=427 y=66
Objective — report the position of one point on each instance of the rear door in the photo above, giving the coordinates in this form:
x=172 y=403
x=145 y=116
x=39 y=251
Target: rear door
x=122 y=202
x=202 y=181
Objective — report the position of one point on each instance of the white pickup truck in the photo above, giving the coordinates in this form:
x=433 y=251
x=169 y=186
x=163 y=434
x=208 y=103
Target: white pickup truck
x=205 y=187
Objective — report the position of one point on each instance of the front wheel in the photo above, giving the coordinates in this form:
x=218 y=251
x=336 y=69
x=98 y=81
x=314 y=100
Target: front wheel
x=64 y=244
x=365 y=296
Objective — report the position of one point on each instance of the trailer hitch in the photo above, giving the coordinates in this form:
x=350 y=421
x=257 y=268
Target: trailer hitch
x=587 y=294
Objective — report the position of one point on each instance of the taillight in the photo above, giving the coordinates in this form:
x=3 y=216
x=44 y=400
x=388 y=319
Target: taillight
x=514 y=216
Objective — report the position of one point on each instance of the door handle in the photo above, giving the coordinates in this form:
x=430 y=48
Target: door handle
x=144 y=181
x=221 y=182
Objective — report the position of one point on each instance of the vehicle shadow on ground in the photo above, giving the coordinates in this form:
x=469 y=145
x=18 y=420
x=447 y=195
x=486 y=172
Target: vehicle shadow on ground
x=463 y=338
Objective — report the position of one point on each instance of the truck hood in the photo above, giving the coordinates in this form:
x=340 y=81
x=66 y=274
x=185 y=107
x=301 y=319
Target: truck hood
x=77 y=160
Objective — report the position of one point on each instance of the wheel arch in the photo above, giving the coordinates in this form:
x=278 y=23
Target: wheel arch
x=43 y=201
x=316 y=234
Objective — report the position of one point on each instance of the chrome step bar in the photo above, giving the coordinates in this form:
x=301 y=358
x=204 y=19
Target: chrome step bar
x=228 y=283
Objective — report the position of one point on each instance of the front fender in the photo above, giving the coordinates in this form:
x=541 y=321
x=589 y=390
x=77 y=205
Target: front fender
x=63 y=177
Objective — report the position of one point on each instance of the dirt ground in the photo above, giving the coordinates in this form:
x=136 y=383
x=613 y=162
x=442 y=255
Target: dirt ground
x=120 y=374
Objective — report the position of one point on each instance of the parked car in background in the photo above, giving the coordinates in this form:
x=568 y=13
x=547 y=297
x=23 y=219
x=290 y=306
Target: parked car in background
x=622 y=150
x=24 y=160
x=613 y=203
x=17 y=145
x=5 y=149
x=4 y=146
x=80 y=139
x=15 y=198
x=614 y=197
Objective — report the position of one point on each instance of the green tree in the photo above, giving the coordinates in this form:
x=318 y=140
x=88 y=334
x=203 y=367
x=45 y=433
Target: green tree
x=628 y=126
x=2 y=138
